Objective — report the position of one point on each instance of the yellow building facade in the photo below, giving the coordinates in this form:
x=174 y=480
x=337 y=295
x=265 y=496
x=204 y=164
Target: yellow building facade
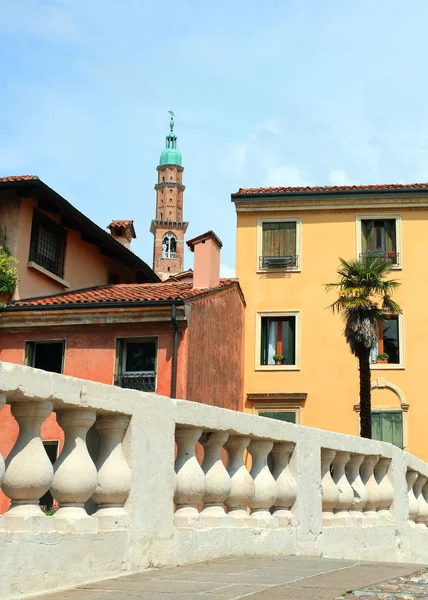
x=289 y=241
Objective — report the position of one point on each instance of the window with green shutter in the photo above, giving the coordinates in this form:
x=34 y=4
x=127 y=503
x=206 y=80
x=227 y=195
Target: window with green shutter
x=387 y=426
x=289 y=416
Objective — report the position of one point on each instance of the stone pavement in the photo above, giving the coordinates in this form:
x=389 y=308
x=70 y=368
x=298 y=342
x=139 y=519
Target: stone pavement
x=253 y=578
x=401 y=588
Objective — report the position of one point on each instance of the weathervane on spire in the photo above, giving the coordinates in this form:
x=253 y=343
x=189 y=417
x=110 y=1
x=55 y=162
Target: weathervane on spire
x=171 y=123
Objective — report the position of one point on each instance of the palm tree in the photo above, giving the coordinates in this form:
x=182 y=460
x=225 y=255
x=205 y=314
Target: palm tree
x=364 y=301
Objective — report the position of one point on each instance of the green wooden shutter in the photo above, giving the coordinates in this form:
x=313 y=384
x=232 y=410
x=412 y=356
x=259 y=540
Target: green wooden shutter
x=388 y=427
x=289 y=417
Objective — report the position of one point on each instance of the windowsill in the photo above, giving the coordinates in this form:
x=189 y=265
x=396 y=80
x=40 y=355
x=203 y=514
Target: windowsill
x=33 y=265
x=281 y=270
x=386 y=367
x=277 y=368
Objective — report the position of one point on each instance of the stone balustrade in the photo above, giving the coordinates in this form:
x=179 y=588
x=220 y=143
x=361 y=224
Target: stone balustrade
x=144 y=480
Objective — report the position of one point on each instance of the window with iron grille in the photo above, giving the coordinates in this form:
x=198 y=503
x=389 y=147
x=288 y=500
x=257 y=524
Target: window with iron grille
x=47 y=246
x=136 y=364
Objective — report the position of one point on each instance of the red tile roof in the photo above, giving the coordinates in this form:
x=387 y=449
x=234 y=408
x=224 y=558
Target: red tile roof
x=12 y=178
x=382 y=187
x=183 y=275
x=127 y=293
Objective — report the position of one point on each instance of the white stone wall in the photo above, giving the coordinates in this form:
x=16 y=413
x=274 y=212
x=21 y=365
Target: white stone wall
x=288 y=489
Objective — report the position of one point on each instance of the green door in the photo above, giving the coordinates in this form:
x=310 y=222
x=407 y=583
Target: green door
x=290 y=417
x=388 y=427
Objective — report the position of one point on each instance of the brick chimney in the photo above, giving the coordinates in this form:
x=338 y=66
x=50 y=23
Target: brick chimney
x=123 y=232
x=206 y=268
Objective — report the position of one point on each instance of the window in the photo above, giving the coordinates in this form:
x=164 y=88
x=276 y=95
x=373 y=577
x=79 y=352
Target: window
x=47 y=244
x=278 y=243
x=51 y=448
x=388 y=342
x=48 y=356
x=288 y=416
x=278 y=338
x=136 y=364
x=387 y=426
x=169 y=245
x=379 y=237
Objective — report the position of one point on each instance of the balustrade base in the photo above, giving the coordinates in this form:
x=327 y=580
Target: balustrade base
x=283 y=516
x=111 y=518
x=73 y=518
x=263 y=518
x=327 y=519
x=341 y=518
x=35 y=523
x=385 y=516
x=370 y=518
x=214 y=516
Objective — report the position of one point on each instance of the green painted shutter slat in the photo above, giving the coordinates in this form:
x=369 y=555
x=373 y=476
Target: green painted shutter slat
x=289 y=417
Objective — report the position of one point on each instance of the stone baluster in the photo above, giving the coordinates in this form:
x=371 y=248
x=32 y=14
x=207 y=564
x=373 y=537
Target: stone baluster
x=264 y=484
x=411 y=477
x=114 y=474
x=2 y=466
x=385 y=488
x=217 y=479
x=286 y=486
x=374 y=497
x=242 y=484
x=28 y=469
x=421 y=500
x=75 y=475
x=423 y=506
x=346 y=493
x=361 y=494
x=189 y=477
x=330 y=491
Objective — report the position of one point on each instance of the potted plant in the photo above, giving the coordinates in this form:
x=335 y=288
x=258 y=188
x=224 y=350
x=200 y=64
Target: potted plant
x=8 y=276
x=278 y=358
x=382 y=358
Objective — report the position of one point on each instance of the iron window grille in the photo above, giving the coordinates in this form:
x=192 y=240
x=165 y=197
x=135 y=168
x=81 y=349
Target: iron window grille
x=143 y=382
x=47 y=244
x=278 y=262
x=384 y=255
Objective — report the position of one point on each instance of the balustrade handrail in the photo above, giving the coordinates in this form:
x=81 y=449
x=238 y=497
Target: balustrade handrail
x=290 y=483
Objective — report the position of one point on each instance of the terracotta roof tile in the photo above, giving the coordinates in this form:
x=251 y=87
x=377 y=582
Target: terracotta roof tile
x=127 y=293
x=333 y=188
x=118 y=223
x=12 y=178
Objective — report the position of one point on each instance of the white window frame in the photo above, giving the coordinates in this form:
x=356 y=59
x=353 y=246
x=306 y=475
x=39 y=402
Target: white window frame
x=401 y=364
x=277 y=313
x=260 y=408
x=380 y=217
x=298 y=222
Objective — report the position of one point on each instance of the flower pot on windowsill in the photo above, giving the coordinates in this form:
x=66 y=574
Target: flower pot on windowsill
x=382 y=358
x=5 y=297
x=278 y=358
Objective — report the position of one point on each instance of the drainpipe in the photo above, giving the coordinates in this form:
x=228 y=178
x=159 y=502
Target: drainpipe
x=174 y=351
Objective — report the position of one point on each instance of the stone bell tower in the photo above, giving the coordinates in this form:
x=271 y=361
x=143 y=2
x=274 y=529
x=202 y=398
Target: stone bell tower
x=168 y=227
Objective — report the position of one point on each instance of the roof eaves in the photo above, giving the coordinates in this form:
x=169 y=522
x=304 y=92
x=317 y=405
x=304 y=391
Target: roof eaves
x=86 y=222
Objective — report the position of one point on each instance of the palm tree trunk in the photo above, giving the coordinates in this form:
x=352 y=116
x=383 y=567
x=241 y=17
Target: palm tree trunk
x=365 y=394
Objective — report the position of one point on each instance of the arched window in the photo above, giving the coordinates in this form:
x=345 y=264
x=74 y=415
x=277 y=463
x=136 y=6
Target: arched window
x=169 y=245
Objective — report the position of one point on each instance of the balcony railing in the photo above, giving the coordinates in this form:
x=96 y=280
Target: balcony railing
x=278 y=262
x=143 y=382
x=384 y=255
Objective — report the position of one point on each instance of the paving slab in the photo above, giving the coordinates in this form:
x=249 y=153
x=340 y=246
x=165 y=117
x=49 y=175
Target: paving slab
x=252 y=578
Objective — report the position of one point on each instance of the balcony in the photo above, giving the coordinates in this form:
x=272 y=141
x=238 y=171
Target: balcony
x=143 y=382
x=278 y=262
x=391 y=255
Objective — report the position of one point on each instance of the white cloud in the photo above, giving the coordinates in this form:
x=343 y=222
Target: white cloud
x=237 y=159
x=269 y=125
x=287 y=175
x=226 y=271
x=340 y=177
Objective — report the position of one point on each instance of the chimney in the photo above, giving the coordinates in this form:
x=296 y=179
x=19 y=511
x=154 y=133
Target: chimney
x=123 y=232
x=206 y=267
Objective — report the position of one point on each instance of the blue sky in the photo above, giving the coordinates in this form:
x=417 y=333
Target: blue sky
x=280 y=92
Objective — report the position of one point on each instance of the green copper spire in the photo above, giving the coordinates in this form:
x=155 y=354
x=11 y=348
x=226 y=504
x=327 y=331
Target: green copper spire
x=171 y=155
